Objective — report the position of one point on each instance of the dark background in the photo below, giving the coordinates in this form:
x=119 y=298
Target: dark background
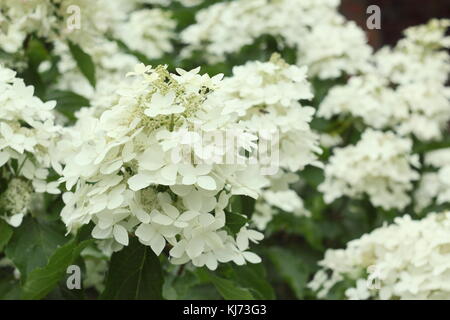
x=396 y=15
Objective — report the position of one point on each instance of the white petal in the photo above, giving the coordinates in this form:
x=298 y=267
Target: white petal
x=115 y=201
x=181 y=190
x=127 y=152
x=180 y=224
x=239 y=260
x=111 y=167
x=193 y=201
x=157 y=244
x=178 y=250
x=142 y=216
x=170 y=172
x=189 y=179
x=211 y=262
x=145 y=232
x=139 y=181
x=188 y=215
x=206 y=219
x=255 y=235
x=195 y=247
x=170 y=210
x=120 y=234
x=242 y=241
x=207 y=183
x=162 y=219
x=4 y=157
x=15 y=220
x=251 y=257
x=99 y=233
x=152 y=159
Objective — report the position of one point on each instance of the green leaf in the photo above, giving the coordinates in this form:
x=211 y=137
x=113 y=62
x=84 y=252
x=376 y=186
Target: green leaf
x=67 y=102
x=42 y=281
x=6 y=232
x=228 y=289
x=62 y=292
x=291 y=268
x=254 y=278
x=33 y=243
x=235 y=221
x=290 y=224
x=134 y=273
x=9 y=286
x=36 y=52
x=248 y=206
x=313 y=176
x=243 y=204
x=188 y=286
x=84 y=62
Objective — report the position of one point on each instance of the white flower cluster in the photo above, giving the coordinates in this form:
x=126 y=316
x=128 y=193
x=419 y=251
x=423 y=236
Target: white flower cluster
x=278 y=197
x=380 y=165
x=405 y=260
x=27 y=137
x=435 y=186
x=265 y=96
x=152 y=165
x=88 y=24
x=148 y=31
x=110 y=66
x=325 y=41
x=405 y=90
x=52 y=20
x=186 y=3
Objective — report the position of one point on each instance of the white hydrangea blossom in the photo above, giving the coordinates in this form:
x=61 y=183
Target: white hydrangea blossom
x=265 y=96
x=186 y=3
x=326 y=42
x=330 y=140
x=380 y=165
x=27 y=138
x=435 y=186
x=148 y=31
x=150 y=165
x=406 y=88
x=278 y=196
x=80 y=21
x=88 y=24
x=408 y=259
x=111 y=65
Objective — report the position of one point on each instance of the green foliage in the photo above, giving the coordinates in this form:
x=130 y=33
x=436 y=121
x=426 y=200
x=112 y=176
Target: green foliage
x=33 y=244
x=253 y=277
x=134 y=273
x=67 y=102
x=35 y=53
x=294 y=268
x=228 y=289
x=84 y=62
x=9 y=287
x=5 y=234
x=41 y=281
x=235 y=222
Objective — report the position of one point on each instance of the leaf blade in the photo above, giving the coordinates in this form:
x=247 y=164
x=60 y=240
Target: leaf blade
x=84 y=62
x=135 y=273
